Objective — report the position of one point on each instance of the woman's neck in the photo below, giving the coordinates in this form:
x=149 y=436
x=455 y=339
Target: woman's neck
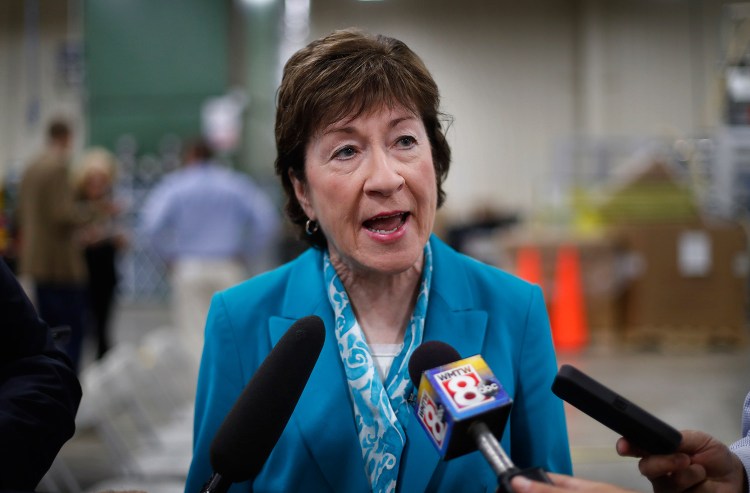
x=382 y=303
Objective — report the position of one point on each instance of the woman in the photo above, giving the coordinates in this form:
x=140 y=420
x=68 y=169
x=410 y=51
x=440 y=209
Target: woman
x=362 y=158
x=102 y=240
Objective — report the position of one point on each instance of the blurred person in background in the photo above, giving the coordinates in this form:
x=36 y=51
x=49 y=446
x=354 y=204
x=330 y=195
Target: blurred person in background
x=39 y=391
x=209 y=223
x=102 y=239
x=362 y=157
x=50 y=219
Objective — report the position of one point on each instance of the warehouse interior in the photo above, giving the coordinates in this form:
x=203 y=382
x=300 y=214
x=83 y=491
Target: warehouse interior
x=600 y=150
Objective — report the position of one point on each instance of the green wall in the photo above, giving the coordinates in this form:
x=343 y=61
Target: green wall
x=150 y=65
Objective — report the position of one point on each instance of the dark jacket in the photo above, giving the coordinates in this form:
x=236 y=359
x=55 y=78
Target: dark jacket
x=39 y=391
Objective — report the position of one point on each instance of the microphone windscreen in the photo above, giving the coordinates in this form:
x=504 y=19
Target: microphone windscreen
x=254 y=424
x=429 y=355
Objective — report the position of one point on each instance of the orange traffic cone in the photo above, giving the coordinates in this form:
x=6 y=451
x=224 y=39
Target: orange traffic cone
x=568 y=317
x=529 y=264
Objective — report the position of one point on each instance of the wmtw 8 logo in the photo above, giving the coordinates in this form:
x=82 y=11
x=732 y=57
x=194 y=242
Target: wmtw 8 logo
x=463 y=386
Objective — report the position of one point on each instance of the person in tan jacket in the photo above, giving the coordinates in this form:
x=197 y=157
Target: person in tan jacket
x=51 y=255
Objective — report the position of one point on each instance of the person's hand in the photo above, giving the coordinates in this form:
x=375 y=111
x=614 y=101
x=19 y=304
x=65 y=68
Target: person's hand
x=563 y=484
x=701 y=464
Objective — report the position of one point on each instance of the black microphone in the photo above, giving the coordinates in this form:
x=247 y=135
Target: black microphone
x=254 y=424
x=428 y=355
x=463 y=407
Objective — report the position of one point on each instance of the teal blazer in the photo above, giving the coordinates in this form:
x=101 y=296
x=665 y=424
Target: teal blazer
x=475 y=308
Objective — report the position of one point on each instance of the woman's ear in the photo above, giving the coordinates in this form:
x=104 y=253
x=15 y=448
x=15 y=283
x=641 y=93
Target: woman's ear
x=300 y=191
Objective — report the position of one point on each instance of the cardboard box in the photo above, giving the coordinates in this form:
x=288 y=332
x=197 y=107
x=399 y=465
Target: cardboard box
x=688 y=279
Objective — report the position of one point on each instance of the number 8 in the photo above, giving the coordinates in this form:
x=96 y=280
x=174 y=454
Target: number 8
x=432 y=421
x=465 y=392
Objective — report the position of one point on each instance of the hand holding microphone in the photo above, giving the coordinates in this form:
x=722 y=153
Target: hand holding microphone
x=256 y=421
x=463 y=407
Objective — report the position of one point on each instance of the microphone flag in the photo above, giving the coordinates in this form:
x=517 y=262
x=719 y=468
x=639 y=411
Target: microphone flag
x=452 y=397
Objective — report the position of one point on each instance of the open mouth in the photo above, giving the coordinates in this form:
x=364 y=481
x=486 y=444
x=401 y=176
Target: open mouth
x=386 y=224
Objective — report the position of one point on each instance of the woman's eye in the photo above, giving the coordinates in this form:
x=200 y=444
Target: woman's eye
x=406 y=141
x=344 y=153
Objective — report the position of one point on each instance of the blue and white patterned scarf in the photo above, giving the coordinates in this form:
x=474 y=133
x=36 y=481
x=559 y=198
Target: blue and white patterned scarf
x=381 y=413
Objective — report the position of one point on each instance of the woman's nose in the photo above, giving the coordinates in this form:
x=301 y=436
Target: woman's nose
x=383 y=174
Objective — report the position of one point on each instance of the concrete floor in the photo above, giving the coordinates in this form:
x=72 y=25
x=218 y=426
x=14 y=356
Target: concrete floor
x=690 y=387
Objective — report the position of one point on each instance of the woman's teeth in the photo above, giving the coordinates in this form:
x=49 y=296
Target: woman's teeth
x=385 y=224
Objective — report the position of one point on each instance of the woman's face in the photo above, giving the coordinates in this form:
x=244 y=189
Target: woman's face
x=371 y=186
x=96 y=185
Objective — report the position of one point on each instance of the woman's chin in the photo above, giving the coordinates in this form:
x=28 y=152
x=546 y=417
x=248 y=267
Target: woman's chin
x=393 y=258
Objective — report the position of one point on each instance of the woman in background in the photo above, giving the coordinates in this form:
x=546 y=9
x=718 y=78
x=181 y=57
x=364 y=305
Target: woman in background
x=102 y=240
x=362 y=157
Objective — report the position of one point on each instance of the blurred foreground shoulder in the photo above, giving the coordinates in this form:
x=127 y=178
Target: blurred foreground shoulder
x=39 y=391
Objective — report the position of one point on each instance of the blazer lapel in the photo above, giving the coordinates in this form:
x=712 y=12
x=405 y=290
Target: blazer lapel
x=452 y=316
x=450 y=319
x=323 y=414
x=464 y=331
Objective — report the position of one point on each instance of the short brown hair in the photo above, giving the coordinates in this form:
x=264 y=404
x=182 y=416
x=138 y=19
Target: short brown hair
x=348 y=73
x=198 y=149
